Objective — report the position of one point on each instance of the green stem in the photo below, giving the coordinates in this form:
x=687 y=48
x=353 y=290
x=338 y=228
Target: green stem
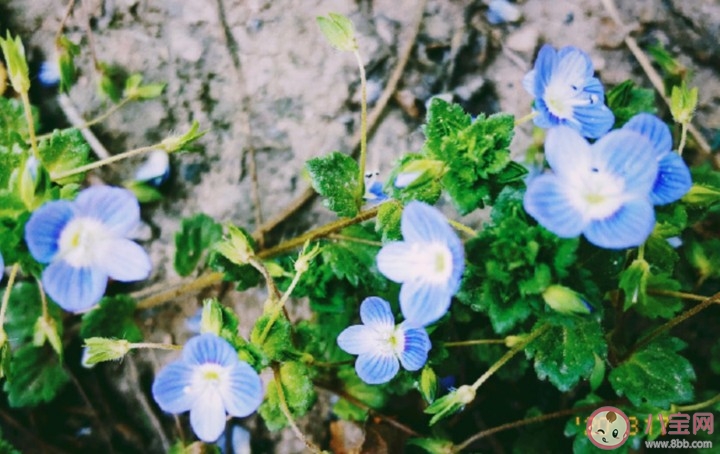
x=675 y=321
x=286 y=411
x=352 y=239
x=697 y=406
x=682 y=295
x=683 y=138
x=43 y=300
x=95 y=120
x=526 y=118
x=509 y=355
x=363 y=129
x=31 y=125
x=6 y=296
x=462 y=228
x=277 y=309
x=272 y=289
x=468 y=343
x=641 y=252
x=102 y=162
x=154 y=346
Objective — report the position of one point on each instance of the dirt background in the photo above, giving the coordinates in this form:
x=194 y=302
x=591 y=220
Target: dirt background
x=258 y=75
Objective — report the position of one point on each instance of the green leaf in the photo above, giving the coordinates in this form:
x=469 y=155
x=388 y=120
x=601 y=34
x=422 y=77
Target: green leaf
x=196 y=235
x=144 y=192
x=133 y=89
x=113 y=318
x=244 y=276
x=663 y=306
x=704 y=256
x=277 y=343
x=67 y=51
x=368 y=394
x=598 y=373
x=23 y=311
x=705 y=191
x=335 y=178
x=428 y=384
x=13 y=125
x=65 y=150
x=351 y=260
x=388 y=219
x=426 y=188
x=197 y=447
x=339 y=31
x=299 y=394
x=627 y=100
x=566 y=352
x=655 y=375
x=633 y=282
x=34 y=376
x=443 y=123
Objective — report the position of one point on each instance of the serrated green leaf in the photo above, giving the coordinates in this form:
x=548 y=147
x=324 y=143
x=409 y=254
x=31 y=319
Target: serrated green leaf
x=444 y=121
x=351 y=260
x=299 y=394
x=64 y=150
x=34 y=376
x=627 y=100
x=277 y=342
x=112 y=318
x=334 y=177
x=566 y=352
x=387 y=222
x=655 y=375
x=664 y=306
x=24 y=309
x=244 y=276
x=195 y=237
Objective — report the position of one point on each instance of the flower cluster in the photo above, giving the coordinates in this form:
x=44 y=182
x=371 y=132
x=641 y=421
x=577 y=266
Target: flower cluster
x=210 y=382
x=85 y=242
x=429 y=264
x=605 y=190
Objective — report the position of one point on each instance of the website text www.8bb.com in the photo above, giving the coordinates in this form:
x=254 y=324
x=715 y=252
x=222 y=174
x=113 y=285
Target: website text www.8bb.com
x=678 y=443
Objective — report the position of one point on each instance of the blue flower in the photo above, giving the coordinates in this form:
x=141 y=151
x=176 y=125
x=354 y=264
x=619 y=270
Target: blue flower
x=566 y=93
x=155 y=170
x=374 y=188
x=600 y=190
x=49 y=74
x=209 y=381
x=429 y=263
x=673 y=179
x=85 y=242
x=2 y=265
x=382 y=346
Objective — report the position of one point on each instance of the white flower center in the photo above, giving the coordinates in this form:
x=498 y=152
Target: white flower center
x=390 y=340
x=80 y=239
x=207 y=377
x=562 y=96
x=597 y=194
x=432 y=262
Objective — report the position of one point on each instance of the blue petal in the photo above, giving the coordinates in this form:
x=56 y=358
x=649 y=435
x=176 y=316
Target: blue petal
x=117 y=208
x=375 y=368
x=207 y=416
x=422 y=223
x=545 y=67
x=628 y=155
x=74 y=289
x=595 y=119
x=628 y=227
x=573 y=64
x=355 y=340
x=423 y=303
x=567 y=151
x=42 y=231
x=171 y=386
x=2 y=266
x=49 y=74
x=209 y=348
x=673 y=179
x=376 y=312
x=528 y=82
x=653 y=129
x=123 y=260
x=415 y=353
x=396 y=260
x=244 y=392
x=155 y=169
x=546 y=200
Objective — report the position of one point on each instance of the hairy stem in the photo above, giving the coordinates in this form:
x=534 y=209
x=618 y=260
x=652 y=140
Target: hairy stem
x=683 y=138
x=363 y=129
x=462 y=228
x=469 y=343
x=31 y=125
x=683 y=295
x=526 y=118
x=6 y=296
x=137 y=345
x=697 y=406
x=102 y=162
x=95 y=120
x=286 y=411
x=278 y=307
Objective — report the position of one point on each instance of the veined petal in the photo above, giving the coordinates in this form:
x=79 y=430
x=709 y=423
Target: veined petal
x=594 y=119
x=547 y=201
x=207 y=416
x=417 y=344
x=377 y=367
x=545 y=65
x=574 y=64
x=628 y=155
x=673 y=179
x=628 y=227
x=376 y=313
x=42 y=231
x=653 y=129
x=395 y=261
x=243 y=393
x=423 y=303
x=357 y=340
x=528 y=82
x=123 y=260
x=117 y=208
x=74 y=289
x=423 y=223
x=171 y=388
x=567 y=151
x=209 y=348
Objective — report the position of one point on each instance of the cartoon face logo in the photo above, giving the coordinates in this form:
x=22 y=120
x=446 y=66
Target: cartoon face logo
x=608 y=428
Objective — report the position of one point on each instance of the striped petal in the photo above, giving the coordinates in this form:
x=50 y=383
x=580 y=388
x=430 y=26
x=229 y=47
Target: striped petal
x=123 y=260
x=653 y=129
x=377 y=367
x=673 y=180
x=43 y=230
x=630 y=226
x=209 y=348
x=547 y=201
x=357 y=340
x=375 y=312
x=423 y=303
x=243 y=392
x=417 y=344
x=117 y=208
x=207 y=416
x=74 y=288
x=171 y=388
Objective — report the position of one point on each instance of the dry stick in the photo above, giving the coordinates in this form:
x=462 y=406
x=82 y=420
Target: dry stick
x=64 y=19
x=373 y=118
x=76 y=120
x=652 y=74
x=286 y=411
x=147 y=409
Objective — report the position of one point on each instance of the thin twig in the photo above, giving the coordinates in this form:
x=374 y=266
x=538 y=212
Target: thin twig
x=683 y=295
x=146 y=408
x=697 y=406
x=654 y=77
x=468 y=343
x=76 y=120
x=63 y=21
x=352 y=239
x=373 y=118
x=286 y=411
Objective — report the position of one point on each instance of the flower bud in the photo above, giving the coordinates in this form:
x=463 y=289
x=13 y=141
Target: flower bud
x=100 y=349
x=17 y=67
x=212 y=318
x=565 y=300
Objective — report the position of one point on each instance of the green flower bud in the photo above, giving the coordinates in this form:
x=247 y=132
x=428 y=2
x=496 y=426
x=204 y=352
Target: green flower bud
x=303 y=262
x=212 y=318
x=565 y=300
x=46 y=330
x=17 y=67
x=176 y=143
x=450 y=403
x=100 y=349
x=238 y=247
x=428 y=384
x=683 y=102
x=339 y=31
